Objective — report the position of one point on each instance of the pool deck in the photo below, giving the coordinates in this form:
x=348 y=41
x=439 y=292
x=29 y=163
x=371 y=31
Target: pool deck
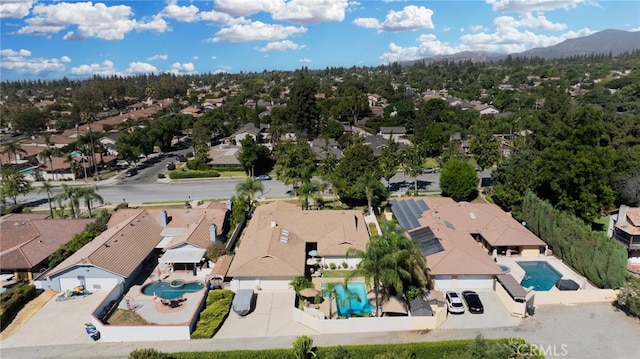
x=567 y=272
x=152 y=309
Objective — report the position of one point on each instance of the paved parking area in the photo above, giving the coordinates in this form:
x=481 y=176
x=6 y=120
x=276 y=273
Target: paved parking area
x=57 y=323
x=495 y=315
x=271 y=317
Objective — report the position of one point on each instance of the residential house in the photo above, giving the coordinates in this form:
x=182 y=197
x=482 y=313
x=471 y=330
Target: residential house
x=29 y=239
x=322 y=149
x=485 y=109
x=109 y=142
x=460 y=240
x=398 y=133
x=624 y=226
x=279 y=238
x=248 y=129
x=135 y=239
x=225 y=155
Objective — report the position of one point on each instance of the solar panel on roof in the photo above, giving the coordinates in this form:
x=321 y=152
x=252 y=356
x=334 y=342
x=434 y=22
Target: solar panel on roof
x=426 y=241
x=408 y=211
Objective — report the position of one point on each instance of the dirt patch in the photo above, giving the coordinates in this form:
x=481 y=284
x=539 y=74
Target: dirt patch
x=126 y=317
x=27 y=312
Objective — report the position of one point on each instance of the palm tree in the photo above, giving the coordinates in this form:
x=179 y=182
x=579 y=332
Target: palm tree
x=13 y=148
x=89 y=194
x=48 y=188
x=248 y=190
x=47 y=155
x=69 y=194
x=371 y=185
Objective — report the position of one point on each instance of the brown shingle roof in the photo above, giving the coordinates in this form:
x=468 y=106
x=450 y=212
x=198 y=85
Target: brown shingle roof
x=29 y=239
x=262 y=253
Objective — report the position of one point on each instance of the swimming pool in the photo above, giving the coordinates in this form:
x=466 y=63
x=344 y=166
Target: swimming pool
x=351 y=301
x=539 y=274
x=171 y=290
x=28 y=171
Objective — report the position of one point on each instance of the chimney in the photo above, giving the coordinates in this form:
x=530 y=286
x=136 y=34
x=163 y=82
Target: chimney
x=273 y=224
x=164 y=218
x=213 y=232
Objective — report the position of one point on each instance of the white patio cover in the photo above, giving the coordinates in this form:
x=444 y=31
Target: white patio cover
x=182 y=255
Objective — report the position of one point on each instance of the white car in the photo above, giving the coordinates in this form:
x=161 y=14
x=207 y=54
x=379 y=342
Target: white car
x=454 y=303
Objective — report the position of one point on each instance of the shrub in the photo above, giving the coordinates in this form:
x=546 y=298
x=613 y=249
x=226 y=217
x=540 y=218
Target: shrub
x=303 y=347
x=13 y=300
x=171 y=166
x=629 y=297
x=333 y=266
x=148 y=353
x=161 y=175
x=215 y=250
x=189 y=154
x=197 y=165
x=345 y=265
x=180 y=174
x=217 y=308
x=182 y=158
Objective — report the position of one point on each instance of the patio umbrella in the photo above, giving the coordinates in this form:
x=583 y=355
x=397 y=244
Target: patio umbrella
x=309 y=292
x=313 y=253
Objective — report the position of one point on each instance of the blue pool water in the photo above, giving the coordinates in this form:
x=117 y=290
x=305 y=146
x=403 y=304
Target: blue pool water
x=539 y=274
x=171 y=290
x=356 y=303
x=28 y=171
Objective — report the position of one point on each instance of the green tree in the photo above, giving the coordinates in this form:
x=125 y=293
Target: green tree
x=13 y=148
x=302 y=107
x=303 y=347
x=13 y=184
x=294 y=163
x=458 y=180
x=371 y=185
x=249 y=154
x=513 y=177
x=30 y=121
x=89 y=194
x=248 y=190
x=358 y=159
x=47 y=187
x=485 y=148
x=68 y=194
x=412 y=161
x=390 y=160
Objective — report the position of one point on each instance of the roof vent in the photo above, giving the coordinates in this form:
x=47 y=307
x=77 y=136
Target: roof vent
x=472 y=215
x=274 y=224
x=284 y=236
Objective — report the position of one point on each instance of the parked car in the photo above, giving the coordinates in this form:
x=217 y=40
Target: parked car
x=429 y=170
x=131 y=172
x=454 y=303
x=473 y=302
x=263 y=178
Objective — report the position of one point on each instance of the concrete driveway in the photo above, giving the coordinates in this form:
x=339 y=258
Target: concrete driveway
x=57 y=323
x=271 y=317
x=495 y=314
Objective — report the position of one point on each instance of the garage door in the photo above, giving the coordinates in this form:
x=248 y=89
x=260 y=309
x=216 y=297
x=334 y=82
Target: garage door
x=444 y=282
x=94 y=284
x=474 y=282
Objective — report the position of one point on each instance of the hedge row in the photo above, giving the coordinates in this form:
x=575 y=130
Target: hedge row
x=184 y=173
x=469 y=348
x=14 y=299
x=602 y=260
x=217 y=309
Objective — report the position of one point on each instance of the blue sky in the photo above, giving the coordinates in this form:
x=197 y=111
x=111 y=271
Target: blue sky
x=52 y=39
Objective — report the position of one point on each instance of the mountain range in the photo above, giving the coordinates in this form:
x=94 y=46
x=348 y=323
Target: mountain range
x=603 y=42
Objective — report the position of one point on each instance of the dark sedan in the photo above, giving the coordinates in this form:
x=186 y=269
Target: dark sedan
x=473 y=302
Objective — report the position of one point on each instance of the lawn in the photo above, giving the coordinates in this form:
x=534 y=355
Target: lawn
x=126 y=317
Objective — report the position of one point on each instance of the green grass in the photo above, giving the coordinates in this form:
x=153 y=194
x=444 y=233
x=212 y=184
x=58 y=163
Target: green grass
x=328 y=273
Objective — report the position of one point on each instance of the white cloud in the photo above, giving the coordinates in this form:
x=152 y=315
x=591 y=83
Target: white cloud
x=528 y=21
x=305 y=60
x=157 y=24
x=140 y=68
x=182 y=69
x=246 y=7
x=309 y=12
x=532 y=5
x=367 y=22
x=15 y=8
x=410 y=18
x=214 y=57
x=222 y=17
x=106 y=68
x=222 y=69
x=91 y=20
x=158 y=57
x=20 y=62
x=476 y=28
x=281 y=46
x=256 y=31
x=180 y=13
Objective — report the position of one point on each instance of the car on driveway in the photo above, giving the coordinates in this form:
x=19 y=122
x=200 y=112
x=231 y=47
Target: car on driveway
x=428 y=170
x=473 y=302
x=263 y=178
x=454 y=303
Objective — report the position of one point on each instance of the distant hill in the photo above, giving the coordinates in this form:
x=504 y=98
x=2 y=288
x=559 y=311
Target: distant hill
x=603 y=42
